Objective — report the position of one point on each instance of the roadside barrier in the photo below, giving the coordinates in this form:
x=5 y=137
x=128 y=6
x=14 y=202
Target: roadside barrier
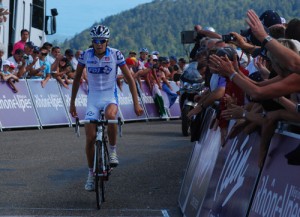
x=226 y=181
x=34 y=106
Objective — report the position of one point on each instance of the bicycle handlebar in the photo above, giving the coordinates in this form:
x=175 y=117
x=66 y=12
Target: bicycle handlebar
x=105 y=122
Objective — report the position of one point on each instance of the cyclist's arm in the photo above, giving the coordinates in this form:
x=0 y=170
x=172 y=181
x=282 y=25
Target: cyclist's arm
x=75 y=87
x=131 y=83
x=127 y=74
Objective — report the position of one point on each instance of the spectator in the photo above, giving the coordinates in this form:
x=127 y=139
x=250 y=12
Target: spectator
x=8 y=76
x=29 y=61
x=182 y=64
x=61 y=72
x=158 y=81
x=53 y=57
x=164 y=66
x=292 y=30
x=21 y=44
x=142 y=70
x=69 y=54
x=84 y=74
x=173 y=68
x=19 y=62
x=42 y=68
x=268 y=120
x=77 y=54
x=131 y=62
x=156 y=53
x=287 y=60
x=48 y=45
x=132 y=53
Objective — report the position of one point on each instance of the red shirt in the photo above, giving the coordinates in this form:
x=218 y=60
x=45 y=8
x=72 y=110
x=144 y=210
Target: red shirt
x=18 y=45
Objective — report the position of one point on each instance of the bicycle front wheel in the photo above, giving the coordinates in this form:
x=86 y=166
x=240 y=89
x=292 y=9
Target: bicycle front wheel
x=99 y=173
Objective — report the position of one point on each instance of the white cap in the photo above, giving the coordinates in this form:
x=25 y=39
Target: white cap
x=283 y=21
x=154 y=57
x=6 y=63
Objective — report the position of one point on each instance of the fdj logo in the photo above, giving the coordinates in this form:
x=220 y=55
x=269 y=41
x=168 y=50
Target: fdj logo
x=90 y=113
x=100 y=70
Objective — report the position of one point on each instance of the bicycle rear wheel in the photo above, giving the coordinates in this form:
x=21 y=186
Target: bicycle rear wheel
x=99 y=182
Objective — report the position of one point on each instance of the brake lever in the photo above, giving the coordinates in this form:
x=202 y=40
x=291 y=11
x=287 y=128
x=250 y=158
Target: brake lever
x=77 y=130
x=120 y=123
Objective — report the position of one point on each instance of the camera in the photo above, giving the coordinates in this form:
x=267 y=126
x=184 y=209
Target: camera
x=190 y=37
x=228 y=38
x=25 y=57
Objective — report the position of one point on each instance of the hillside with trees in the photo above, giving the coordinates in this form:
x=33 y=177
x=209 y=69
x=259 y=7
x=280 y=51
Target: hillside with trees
x=157 y=25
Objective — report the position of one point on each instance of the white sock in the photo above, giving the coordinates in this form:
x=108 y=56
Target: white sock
x=91 y=173
x=113 y=148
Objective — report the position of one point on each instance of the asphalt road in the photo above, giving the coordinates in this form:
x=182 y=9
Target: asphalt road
x=42 y=172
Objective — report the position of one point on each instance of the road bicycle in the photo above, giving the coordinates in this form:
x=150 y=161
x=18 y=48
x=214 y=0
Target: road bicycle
x=101 y=167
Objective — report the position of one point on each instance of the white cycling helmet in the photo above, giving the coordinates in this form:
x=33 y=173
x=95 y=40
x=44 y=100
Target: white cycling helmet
x=100 y=31
x=209 y=28
x=144 y=50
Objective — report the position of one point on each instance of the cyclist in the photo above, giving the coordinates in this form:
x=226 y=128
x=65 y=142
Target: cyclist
x=101 y=62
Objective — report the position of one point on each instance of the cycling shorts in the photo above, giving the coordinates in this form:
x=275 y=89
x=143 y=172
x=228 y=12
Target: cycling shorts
x=99 y=101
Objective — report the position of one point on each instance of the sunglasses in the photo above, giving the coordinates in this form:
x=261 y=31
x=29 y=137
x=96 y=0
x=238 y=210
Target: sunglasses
x=99 y=41
x=44 y=54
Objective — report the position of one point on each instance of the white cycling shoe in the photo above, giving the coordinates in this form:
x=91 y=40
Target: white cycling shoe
x=113 y=159
x=90 y=184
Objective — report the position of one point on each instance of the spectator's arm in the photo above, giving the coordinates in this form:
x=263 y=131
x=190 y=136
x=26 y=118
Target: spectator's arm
x=283 y=54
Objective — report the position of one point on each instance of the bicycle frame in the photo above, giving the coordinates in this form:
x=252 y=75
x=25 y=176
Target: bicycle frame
x=102 y=173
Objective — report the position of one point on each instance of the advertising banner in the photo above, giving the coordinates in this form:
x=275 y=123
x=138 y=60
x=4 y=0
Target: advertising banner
x=234 y=178
x=208 y=155
x=80 y=102
x=278 y=190
x=188 y=178
x=148 y=102
x=16 y=109
x=126 y=104
x=191 y=168
x=48 y=102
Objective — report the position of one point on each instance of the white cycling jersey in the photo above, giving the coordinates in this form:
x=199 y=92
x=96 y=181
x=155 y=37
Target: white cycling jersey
x=102 y=72
x=102 y=77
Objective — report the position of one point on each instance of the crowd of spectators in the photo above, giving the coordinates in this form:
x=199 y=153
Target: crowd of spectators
x=157 y=71
x=33 y=62
x=253 y=75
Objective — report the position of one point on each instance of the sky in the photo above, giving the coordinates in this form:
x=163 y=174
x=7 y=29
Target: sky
x=75 y=15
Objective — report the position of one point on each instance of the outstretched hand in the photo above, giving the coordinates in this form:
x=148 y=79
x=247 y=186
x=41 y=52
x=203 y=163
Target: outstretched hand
x=222 y=65
x=256 y=26
x=235 y=112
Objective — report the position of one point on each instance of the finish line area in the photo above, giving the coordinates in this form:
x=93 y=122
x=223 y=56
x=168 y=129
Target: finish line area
x=43 y=172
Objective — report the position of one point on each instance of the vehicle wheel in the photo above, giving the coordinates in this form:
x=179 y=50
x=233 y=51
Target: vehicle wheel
x=185 y=121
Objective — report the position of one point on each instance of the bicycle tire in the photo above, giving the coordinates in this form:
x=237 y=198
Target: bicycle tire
x=99 y=182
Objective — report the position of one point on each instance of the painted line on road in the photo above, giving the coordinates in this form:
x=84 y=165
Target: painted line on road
x=165 y=213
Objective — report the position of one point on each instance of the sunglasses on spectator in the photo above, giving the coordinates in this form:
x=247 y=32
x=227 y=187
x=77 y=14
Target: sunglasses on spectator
x=99 y=41
x=44 y=54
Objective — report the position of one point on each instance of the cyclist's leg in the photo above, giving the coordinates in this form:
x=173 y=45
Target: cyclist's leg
x=90 y=132
x=92 y=113
x=111 y=111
